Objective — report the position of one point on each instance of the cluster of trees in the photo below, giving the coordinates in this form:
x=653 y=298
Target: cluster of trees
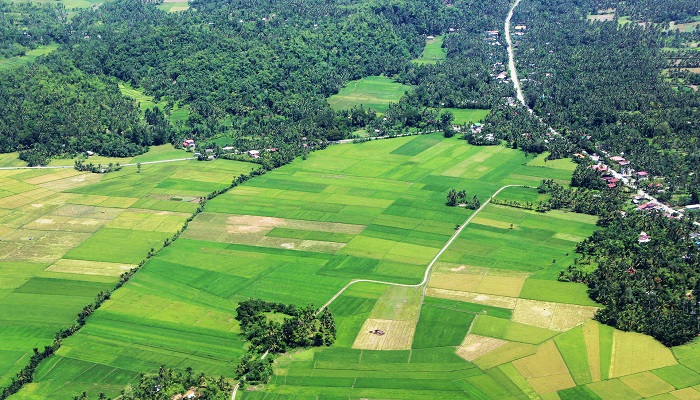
x=650 y=287
x=455 y=198
x=598 y=83
x=581 y=200
x=54 y=108
x=167 y=383
x=99 y=168
x=302 y=327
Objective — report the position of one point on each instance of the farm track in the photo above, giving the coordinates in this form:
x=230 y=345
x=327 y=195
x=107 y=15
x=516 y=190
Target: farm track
x=123 y=165
x=426 y=276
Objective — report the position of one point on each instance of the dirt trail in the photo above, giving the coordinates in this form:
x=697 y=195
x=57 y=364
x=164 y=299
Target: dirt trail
x=426 y=276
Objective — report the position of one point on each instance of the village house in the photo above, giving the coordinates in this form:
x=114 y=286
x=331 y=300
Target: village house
x=641 y=175
x=520 y=27
x=188 y=143
x=476 y=127
x=254 y=153
x=643 y=238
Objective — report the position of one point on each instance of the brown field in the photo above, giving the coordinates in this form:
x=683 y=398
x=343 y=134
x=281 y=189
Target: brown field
x=398 y=335
x=554 y=316
x=471 y=297
x=475 y=346
x=545 y=370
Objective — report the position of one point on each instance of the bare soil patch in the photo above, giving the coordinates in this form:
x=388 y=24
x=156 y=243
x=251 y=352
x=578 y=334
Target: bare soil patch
x=398 y=335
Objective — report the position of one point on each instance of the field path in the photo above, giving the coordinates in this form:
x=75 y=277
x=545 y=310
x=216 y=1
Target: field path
x=123 y=165
x=426 y=276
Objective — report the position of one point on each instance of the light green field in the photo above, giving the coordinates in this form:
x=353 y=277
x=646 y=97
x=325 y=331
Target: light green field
x=67 y=235
x=174 y=6
x=27 y=58
x=433 y=51
x=375 y=92
x=467 y=115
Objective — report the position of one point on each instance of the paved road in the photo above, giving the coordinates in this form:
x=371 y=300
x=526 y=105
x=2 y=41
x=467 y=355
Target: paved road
x=511 y=58
x=426 y=276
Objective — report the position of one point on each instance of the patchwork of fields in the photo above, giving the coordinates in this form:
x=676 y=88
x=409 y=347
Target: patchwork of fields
x=66 y=235
x=491 y=323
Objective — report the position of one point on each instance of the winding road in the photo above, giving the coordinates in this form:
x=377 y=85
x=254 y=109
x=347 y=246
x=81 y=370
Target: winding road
x=426 y=276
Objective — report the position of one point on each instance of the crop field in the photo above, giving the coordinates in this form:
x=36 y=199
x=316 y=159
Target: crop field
x=375 y=92
x=433 y=51
x=148 y=102
x=66 y=235
x=174 y=5
x=467 y=115
x=492 y=323
x=28 y=57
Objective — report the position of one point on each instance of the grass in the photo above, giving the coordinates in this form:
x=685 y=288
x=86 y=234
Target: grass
x=467 y=115
x=145 y=102
x=375 y=92
x=433 y=51
x=28 y=57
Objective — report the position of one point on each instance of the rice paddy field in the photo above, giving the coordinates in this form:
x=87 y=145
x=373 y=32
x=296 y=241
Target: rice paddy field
x=145 y=101
x=433 y=51
x=66 y=235
x=28 y=57
x=375 y=92
x=491 y=322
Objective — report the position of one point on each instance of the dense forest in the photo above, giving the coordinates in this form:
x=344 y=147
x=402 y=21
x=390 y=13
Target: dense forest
x=599 y=83
x=257 y=72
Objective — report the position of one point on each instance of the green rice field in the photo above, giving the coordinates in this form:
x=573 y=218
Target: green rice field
x=375 y=92
x=433 y=51
x=28 y=57
x=66 y=235
x=178 y=113
x=491 y=323
x=467 y=115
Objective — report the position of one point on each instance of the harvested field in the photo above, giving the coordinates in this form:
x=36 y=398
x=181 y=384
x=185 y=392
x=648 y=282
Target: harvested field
x=398 y=335
x=554 y=316
x=614 y=390
x=471 y=297
x=475 y=346
x=89 y=267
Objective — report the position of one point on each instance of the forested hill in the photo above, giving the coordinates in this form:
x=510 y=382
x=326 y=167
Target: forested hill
x=258 y=72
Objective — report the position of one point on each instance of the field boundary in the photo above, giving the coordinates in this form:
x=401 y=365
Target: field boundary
x=426 y=275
